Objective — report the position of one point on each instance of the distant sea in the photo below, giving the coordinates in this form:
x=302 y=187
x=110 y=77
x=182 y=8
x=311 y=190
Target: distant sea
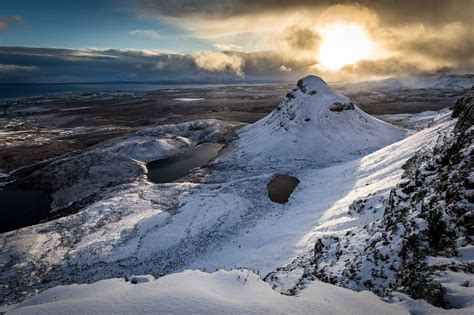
x=28 y=90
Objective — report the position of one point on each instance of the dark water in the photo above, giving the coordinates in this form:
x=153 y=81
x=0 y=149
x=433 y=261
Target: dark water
x=28 y=90
x=22 y=208
x=281 y=187
x=175 y=167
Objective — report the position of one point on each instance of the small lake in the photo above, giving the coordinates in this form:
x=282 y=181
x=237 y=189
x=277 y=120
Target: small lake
x=281 y=187
x=22 y=208
x=175 y=167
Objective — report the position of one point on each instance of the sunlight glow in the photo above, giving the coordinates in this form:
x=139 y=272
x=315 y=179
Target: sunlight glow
x=344 y=44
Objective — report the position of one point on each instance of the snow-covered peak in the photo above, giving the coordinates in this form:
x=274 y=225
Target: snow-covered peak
x=314 y=85
x=307 y=102
x=314 y=124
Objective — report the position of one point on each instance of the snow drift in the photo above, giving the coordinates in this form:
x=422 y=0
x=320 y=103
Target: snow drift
x=222 y=292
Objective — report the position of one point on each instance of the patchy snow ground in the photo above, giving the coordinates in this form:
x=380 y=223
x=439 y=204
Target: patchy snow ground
x=225 y=221
x=415 y=121
x=96 y=172
x=222 y=292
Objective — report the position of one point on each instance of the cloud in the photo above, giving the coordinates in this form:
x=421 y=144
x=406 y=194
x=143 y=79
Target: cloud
x=16 y=18
x=351 y=13
x=391 y=11
x=437 y=34
x=301 y=38
x=13 y=72
x=155 y=34
x=220 y=62
x=451 y=44
x=105 y=65
x=263 y=40
x=92 y=64
x=408 y=48
x=386 y=67
x=160 y=65
x=6 y=20
x=284 y=68
x=52 y=65
x=210 y=19
x=16 y=68
x=228 y=47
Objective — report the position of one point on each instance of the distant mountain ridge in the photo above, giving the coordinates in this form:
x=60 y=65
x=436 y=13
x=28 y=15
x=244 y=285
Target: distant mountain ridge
x=446 y=81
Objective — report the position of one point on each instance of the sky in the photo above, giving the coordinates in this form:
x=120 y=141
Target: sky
x=232 y=40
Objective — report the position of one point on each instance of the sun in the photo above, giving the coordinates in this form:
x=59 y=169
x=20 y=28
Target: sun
x=344 y=44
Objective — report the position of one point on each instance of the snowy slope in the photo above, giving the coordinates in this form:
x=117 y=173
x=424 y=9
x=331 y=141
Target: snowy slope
x=422 y=245
x=222 y=292
x=228 y=221
x=417 y=121
x=225 y=221
x=314 y=125
x=318 y=207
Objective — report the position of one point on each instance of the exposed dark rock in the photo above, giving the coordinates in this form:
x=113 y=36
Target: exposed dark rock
x=300 y=84
x=339 y=107
x=462 y=104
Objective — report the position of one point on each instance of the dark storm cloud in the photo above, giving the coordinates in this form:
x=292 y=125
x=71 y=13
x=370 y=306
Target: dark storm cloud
x=302 y=38
x=80 y=65
x=452 y=43
x=434 y=34
x=48 y=65
x=386 y=67
x=391 y=11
